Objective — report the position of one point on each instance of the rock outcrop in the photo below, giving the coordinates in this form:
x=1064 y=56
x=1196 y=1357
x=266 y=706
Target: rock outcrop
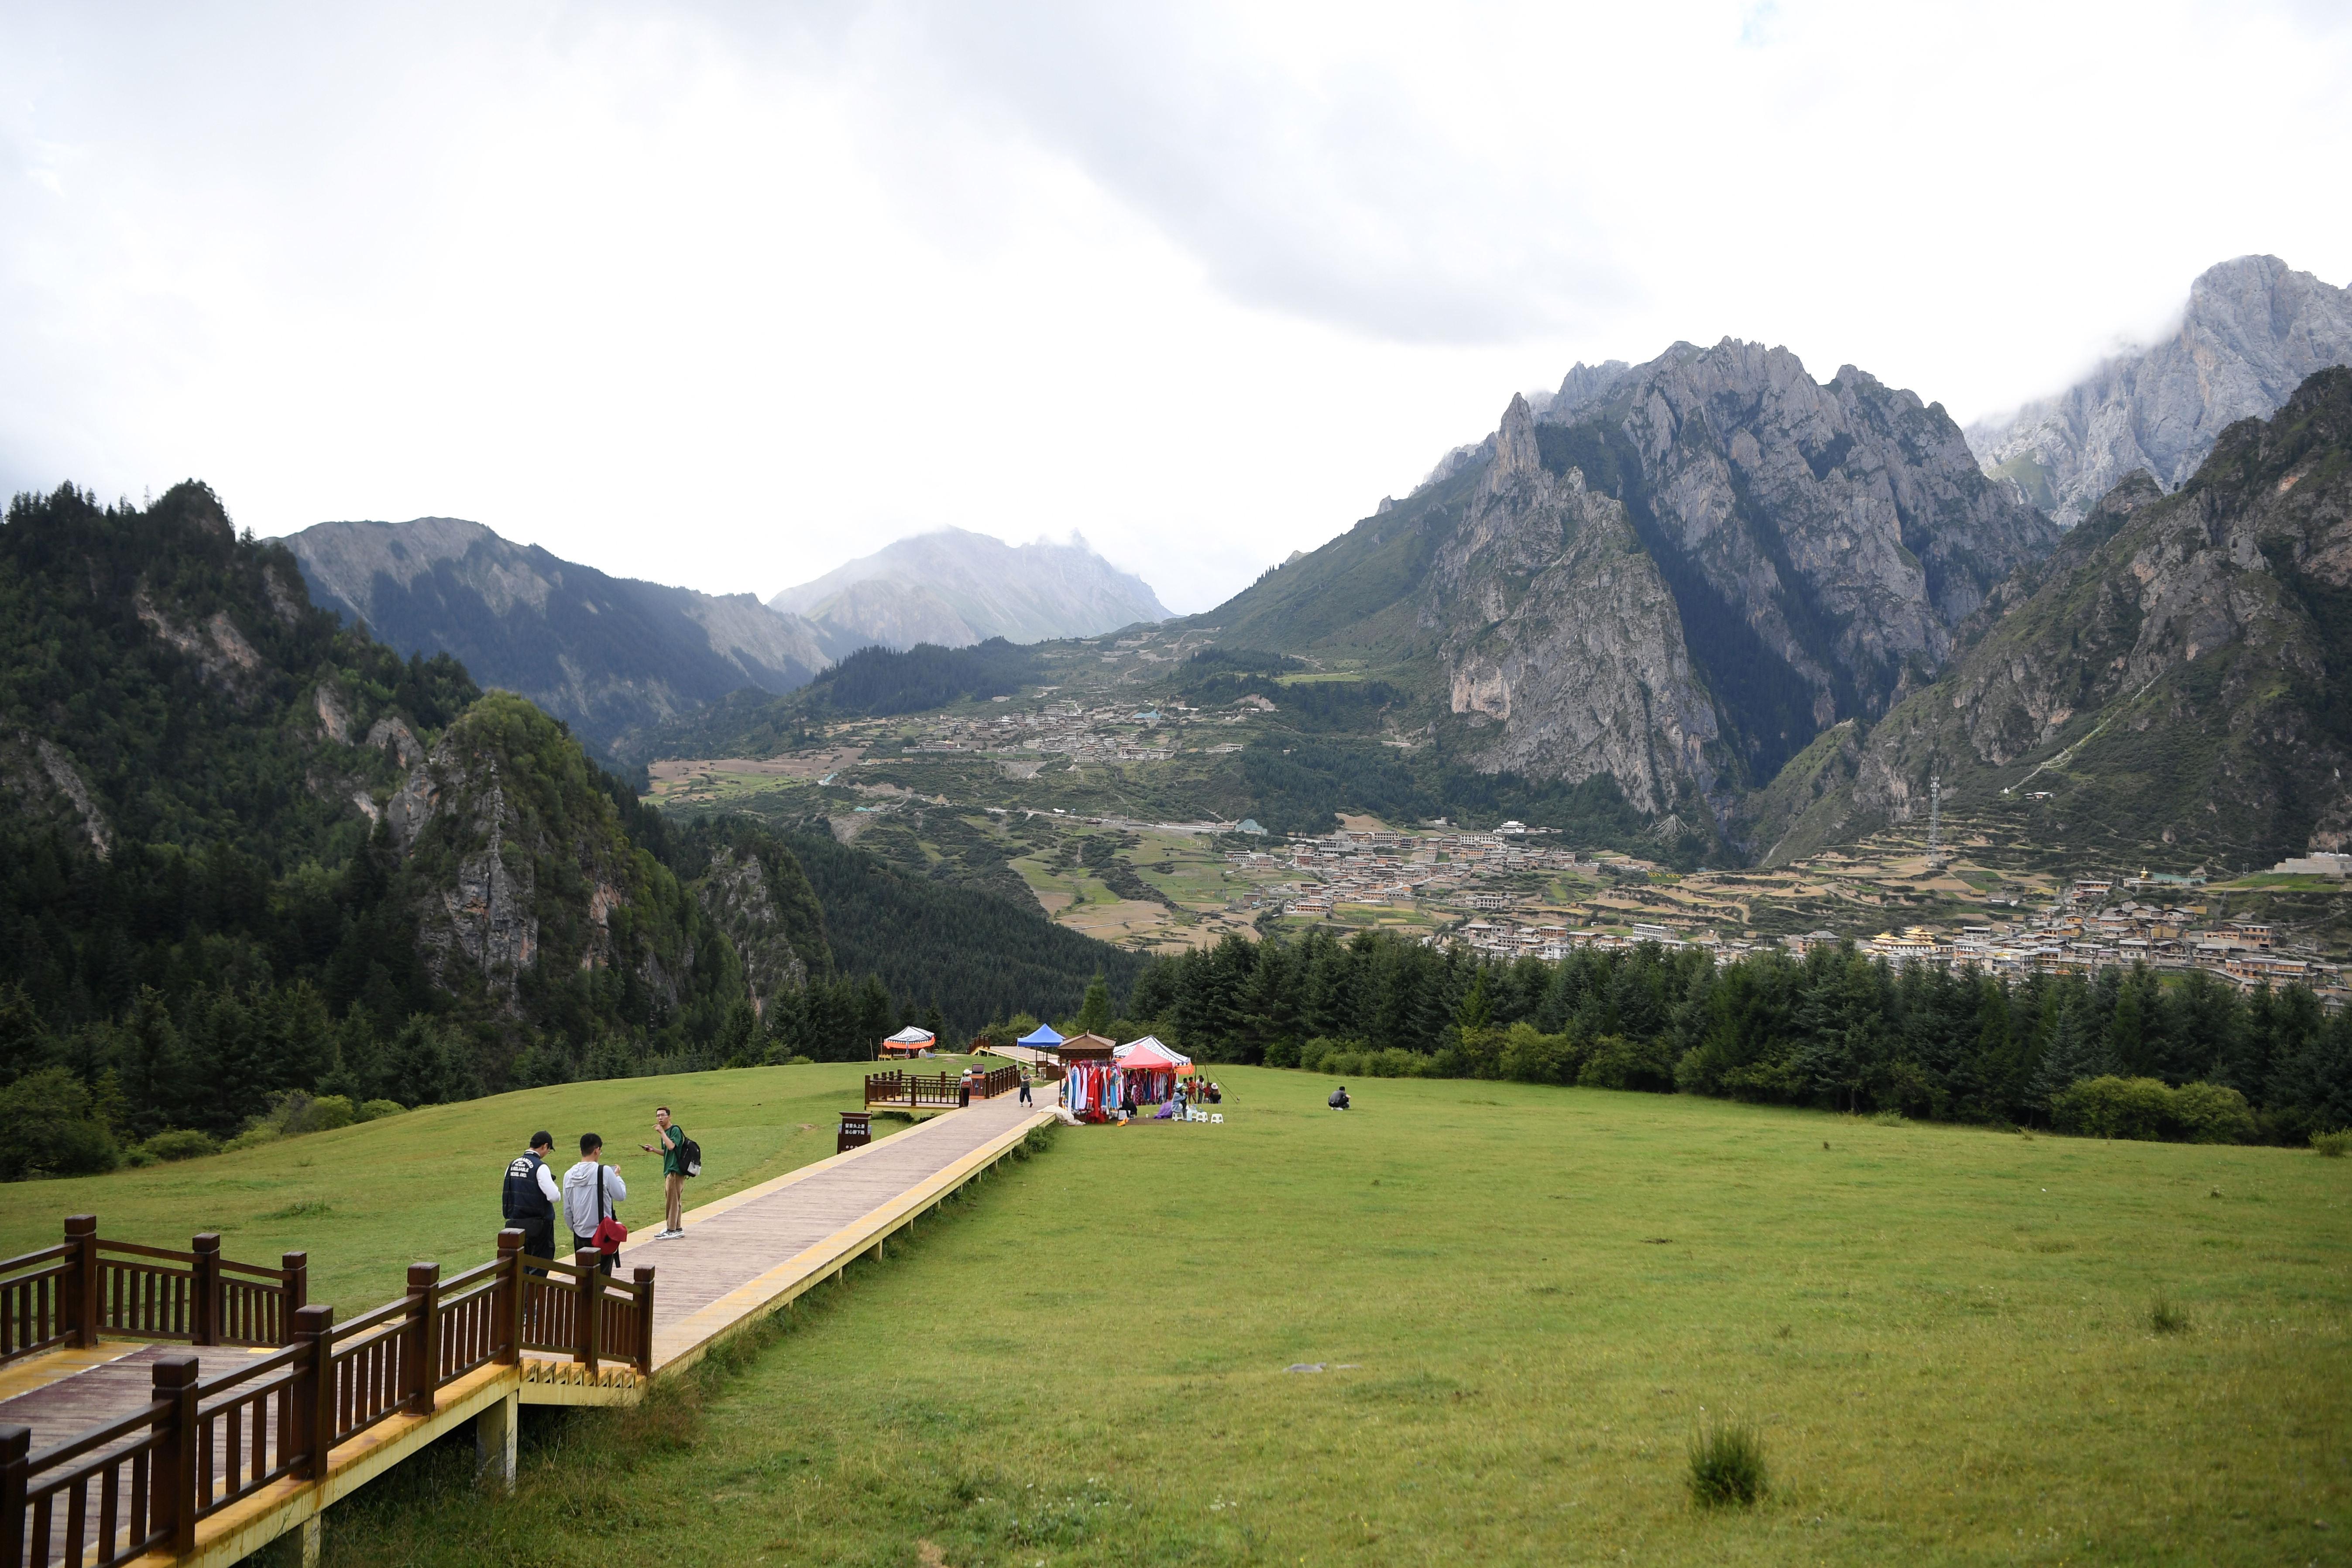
x=517 y=862
x=2179 y=674
x=2253 y=331
x=735 y=893
x=1844 y=525
x=1554 y=624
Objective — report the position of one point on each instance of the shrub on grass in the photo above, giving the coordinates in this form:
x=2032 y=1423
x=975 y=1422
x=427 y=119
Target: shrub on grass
x=2165 y=1317
x=1889 y=1118
x=1619 y=1063
x=1726 y=1465
x=181 y=1144
x=379 y=1108
x=2332 y=1145
x=2148 y=1108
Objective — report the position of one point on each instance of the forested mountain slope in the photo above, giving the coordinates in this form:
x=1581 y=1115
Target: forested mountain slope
x=2177 y=677
x=247 y=849
x=606 y=655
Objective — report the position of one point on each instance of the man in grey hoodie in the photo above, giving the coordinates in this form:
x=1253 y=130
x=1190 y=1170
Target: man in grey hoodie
x=592 y=1190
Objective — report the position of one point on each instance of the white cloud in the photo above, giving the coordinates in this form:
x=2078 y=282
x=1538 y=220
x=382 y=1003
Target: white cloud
x=727 y=296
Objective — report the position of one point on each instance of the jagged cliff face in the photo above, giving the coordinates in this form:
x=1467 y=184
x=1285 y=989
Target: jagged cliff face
x=1554 y=625
x=516 y=863
x=737 y=893
x=2253 y=331
x=2180 y=673
x=606 y=655
x=1685 y=570
x=1677 y=573
x=1844 y=527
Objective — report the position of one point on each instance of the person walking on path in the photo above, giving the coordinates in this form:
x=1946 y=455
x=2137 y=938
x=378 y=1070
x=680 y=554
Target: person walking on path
x=592 y=1190
x=1024 y=1089
x=672 y=1150
x=531 y=1199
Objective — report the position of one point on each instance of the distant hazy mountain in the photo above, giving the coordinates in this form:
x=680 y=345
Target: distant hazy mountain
x=2253 y=330
x=955 y=588
x=606 y=655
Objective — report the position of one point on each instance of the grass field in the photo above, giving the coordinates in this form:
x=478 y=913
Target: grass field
x=367 y=1201
x=1524 y=1301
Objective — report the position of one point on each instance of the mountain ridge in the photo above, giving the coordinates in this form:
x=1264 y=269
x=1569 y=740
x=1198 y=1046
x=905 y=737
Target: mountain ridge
x=952 y=588
x=606 y=655
x=2177 y=677
x=2252 y=331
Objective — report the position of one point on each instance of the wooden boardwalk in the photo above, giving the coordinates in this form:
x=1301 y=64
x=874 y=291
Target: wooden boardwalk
x=742 y=1257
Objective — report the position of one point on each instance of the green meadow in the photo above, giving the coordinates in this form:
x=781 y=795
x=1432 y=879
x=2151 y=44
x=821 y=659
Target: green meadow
x=1523 y=1301
x=364 y=1202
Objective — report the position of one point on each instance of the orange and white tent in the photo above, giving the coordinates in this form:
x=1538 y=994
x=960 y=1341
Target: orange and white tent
x=910 y=1041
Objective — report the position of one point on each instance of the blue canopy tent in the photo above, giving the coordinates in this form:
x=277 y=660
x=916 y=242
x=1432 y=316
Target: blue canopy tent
x=1045 y=1037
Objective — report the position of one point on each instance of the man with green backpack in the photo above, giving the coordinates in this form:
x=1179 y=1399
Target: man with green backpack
x=681 y=1157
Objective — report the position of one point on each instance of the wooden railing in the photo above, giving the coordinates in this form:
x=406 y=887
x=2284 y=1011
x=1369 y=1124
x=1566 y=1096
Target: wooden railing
x=143 y=1482
x=943 y=1090
x=578 y=1308
x=73 y=1293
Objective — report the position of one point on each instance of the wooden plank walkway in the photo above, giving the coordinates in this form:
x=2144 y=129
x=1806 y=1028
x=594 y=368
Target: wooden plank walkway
x=742 y=1257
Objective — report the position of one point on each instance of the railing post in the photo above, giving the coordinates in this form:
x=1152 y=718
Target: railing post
x=16 y=1445
x=592 y=1308
x=204 y=1291
x=644 y=1278
x=172 y=1510
x=425 y=1341
x=509 y=1308
x=298 y=1292
x=81 y=1235
x=314 y=1387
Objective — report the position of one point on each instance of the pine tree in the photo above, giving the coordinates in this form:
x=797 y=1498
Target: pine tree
x=2071 y=1053
x=1094 y=1013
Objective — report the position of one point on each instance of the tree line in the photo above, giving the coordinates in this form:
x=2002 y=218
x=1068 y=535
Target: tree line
x=1835 y=1028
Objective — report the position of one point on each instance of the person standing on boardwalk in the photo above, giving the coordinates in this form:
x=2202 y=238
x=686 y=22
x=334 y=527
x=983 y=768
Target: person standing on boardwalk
x=672 y=1150
x=1024 y=1089
x=592 y=1190
x=530 y=1199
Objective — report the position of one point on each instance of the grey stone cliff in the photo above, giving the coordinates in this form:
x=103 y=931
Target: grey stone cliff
x=1555 y=624
x=2253 y=329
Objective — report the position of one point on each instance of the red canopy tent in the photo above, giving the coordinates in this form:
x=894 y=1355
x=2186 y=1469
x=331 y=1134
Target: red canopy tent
x=1148 y=1055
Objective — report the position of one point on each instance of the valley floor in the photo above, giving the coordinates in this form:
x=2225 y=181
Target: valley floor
x=1480 y=1323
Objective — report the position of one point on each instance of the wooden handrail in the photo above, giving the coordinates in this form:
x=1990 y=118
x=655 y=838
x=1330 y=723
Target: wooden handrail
x=200 y=1445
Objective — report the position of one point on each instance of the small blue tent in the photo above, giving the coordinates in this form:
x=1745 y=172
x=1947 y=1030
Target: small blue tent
x=1045 y=1037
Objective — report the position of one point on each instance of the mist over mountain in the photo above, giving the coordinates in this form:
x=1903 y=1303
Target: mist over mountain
x=606 y=655
x=954 y=588
x=2253 y=331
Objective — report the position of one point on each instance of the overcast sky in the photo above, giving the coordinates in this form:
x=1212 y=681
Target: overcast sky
x=727 y=295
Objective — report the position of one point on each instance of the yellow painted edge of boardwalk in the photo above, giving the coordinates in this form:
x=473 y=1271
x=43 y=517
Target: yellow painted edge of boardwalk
x=246 y=1526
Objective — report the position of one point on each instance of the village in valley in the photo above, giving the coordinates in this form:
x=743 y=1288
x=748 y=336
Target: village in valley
x=1041 y=775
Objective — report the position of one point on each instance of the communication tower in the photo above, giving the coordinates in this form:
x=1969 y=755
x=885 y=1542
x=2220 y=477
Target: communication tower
x=1934 y=823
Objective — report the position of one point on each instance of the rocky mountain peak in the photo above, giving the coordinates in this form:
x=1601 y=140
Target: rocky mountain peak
x=2252 y=330
x=1516 y=456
